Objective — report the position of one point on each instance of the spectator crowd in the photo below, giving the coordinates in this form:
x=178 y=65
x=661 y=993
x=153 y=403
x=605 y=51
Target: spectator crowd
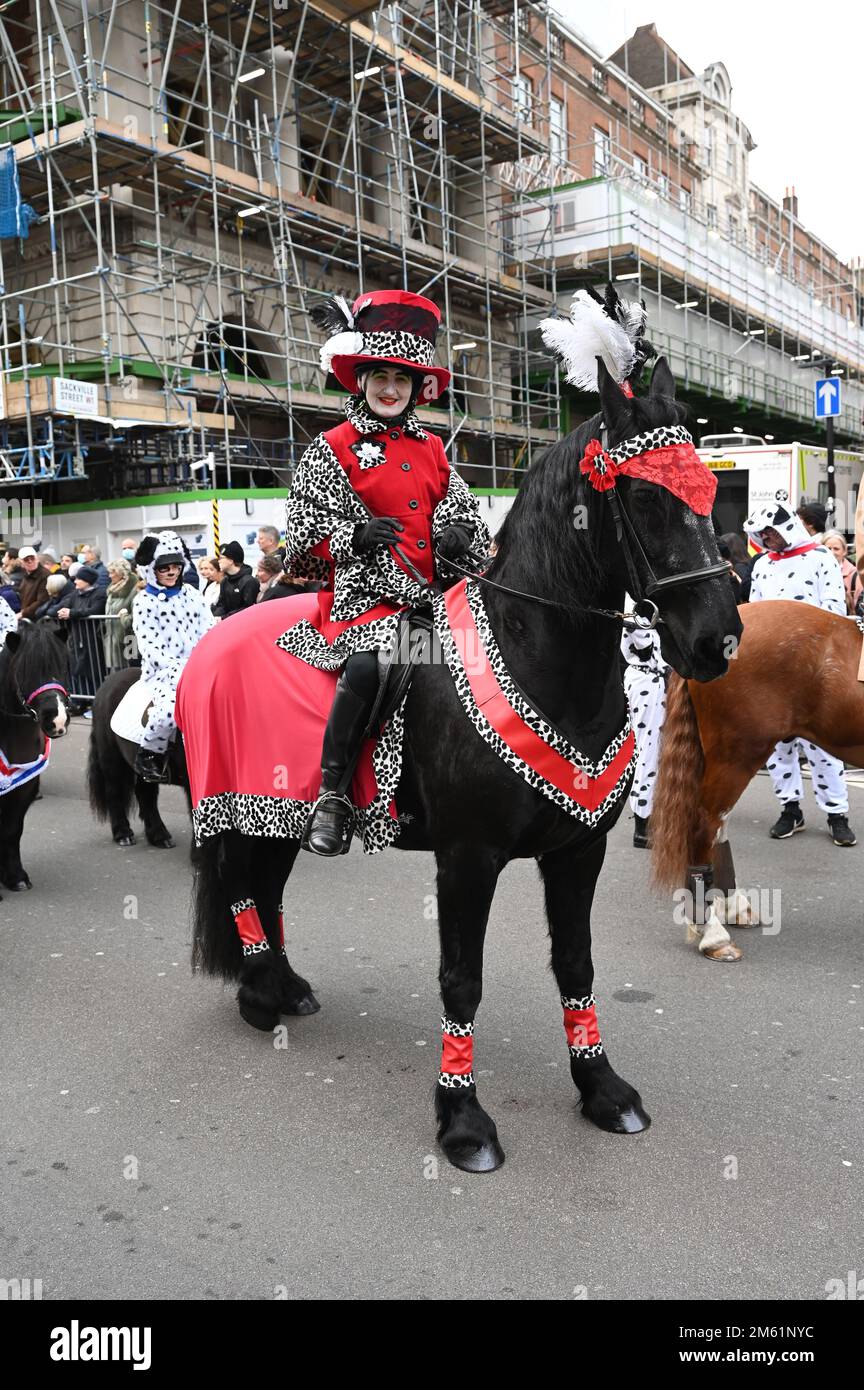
x=78 y=584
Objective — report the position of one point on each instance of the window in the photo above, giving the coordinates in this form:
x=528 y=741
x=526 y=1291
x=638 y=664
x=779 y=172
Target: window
x=708 y=146
x=523 y=19
x=637 y=106
x=601 y=151
x=684 y=199
x=523 y=97
x=640 y=168
x=598 y=79
x=730 y=159
x=556 y=44
x=557 y=130
x=663 y=185
x=733 y=230
x=711 y=214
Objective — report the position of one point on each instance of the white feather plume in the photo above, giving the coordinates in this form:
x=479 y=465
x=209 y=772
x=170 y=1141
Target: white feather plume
x=586 y=334
x=340 y=345
x=346 y=309
x=634 y=318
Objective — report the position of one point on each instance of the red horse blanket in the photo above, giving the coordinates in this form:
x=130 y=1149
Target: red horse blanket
x=253 y=718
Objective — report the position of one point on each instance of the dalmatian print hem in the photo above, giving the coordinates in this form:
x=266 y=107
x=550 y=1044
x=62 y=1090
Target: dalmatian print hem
x=531 y=717
x=284 y=818
x=452 y=1081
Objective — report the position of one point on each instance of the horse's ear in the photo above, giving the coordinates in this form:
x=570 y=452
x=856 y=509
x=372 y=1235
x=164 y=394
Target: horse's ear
x=13 y=640
x=662 y=380
x=612 y=398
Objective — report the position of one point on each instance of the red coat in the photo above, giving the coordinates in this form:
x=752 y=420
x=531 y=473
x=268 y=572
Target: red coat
x=410 y=480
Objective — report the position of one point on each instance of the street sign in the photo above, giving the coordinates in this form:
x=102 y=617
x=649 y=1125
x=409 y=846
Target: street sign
x=826 y=398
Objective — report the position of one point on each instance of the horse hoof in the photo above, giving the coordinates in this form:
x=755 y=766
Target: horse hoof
x=21 y=886
x=261 y=1018
x=125 y=841
x=165 y=843
x=631 y=1120
x=728 y=951
x=301 y=1008
x=482 y=1158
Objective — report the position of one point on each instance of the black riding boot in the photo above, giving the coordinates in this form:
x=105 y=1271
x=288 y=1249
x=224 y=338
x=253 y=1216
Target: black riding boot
x=327 y=830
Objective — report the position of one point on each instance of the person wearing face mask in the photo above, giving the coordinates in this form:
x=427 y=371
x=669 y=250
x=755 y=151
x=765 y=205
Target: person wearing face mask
x=168 y=618
x=128 y=547
x=376 y=482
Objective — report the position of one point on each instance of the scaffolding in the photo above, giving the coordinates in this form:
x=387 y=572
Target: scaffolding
x=202 y=172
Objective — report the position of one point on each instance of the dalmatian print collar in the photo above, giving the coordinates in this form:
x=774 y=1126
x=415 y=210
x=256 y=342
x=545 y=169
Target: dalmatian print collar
x=365 y=422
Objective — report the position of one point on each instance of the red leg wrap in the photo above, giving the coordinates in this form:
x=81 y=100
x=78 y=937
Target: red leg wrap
x=251 y=933
x=457 y=1055
x=580 y=1027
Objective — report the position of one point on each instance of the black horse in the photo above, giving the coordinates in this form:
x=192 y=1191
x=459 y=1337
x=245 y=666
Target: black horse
x=111 y=777
x=34 y=705
x=560 y=543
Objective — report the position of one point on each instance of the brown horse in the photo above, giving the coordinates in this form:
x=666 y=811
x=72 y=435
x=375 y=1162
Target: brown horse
x=795 y=675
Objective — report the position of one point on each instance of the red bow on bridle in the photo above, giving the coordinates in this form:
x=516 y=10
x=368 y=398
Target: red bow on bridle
x=601 y=469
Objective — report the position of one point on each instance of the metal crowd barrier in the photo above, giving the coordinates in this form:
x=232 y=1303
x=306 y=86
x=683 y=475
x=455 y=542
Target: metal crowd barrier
x=97 y=645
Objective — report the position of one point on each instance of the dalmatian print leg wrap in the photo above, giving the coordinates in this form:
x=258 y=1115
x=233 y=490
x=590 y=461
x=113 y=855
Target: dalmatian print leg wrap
x=251 y=933
x=580 y=1027
x=457 y=1055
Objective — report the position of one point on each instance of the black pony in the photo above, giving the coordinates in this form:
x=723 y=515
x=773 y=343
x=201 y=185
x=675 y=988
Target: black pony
x=34 y=705
x=459 y=799
x=111 y=778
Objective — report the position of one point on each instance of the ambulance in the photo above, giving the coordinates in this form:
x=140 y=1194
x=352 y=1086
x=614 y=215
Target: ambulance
x=750 y=471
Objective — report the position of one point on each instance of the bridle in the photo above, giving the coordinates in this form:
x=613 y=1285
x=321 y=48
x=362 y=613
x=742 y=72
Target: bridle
x=645 y=612
x=27 y=700
x=628 y=539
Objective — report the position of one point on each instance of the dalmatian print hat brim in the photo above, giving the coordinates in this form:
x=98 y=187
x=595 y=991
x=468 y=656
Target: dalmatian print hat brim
x=385 y=326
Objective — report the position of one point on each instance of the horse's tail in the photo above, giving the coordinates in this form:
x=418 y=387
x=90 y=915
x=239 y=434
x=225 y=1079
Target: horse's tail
x=216 y=946
x=676 y=812
x=110 y=780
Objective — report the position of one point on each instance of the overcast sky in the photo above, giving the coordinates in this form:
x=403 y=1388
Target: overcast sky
x=797 y=83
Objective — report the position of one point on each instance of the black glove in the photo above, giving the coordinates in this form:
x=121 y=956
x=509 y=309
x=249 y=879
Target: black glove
x=454 y=542
x=382 y=530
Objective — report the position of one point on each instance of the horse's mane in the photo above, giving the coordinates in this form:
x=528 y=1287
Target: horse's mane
x=41 y=656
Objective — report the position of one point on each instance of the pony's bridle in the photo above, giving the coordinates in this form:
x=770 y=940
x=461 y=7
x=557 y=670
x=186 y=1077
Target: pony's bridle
x=27 y=701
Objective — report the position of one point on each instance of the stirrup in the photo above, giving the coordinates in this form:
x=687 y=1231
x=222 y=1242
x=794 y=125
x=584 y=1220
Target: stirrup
x=152 y=771
x=338 y=805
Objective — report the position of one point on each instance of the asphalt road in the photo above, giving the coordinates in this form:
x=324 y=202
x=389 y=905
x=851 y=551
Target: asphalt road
x=157 y=1147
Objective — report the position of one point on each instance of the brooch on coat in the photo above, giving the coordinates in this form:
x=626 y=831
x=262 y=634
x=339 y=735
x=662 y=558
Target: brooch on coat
x=369 y=454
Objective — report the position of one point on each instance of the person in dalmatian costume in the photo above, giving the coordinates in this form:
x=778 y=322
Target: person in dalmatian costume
x=375 y=482
x=794 y=565
x=645 y=687
x=168 y=618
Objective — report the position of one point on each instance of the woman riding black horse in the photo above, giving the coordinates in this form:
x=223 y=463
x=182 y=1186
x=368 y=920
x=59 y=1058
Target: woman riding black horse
x=372 y=499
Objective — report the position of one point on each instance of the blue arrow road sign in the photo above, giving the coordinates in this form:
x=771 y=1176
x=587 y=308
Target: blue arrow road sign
x=826 y=397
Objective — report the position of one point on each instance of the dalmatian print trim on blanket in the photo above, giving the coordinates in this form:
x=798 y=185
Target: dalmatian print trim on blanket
x=283 y=818
x=532 y=718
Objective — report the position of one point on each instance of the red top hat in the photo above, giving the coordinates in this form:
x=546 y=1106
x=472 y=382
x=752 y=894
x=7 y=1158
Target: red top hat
x=383 y=326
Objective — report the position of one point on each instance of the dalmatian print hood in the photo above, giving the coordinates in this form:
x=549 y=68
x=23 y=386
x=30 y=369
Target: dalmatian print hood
x=158 y=549
x=778 y=515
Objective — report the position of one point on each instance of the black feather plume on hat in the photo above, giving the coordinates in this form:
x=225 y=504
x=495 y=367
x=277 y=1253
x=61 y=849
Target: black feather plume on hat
x=334 y=315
